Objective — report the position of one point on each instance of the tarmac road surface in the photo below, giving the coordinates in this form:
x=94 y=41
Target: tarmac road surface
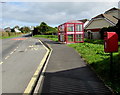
x=21 y=57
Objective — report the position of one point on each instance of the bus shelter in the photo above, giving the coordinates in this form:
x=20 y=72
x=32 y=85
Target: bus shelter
x=71 y=32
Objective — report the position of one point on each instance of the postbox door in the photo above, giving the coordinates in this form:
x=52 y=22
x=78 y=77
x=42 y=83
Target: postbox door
x=110 y=42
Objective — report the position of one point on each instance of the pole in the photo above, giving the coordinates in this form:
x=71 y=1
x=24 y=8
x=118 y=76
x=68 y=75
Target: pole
x=111 y=65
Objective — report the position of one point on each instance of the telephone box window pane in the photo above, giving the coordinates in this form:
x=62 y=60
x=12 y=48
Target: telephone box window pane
x=79 y=40
x=62 y=38
x=70 y=27
x=79 y=27
x=78 y=35
x=70 y=38
x=61 y=28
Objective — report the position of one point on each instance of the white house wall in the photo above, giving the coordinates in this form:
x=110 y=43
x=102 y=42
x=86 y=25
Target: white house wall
x=95 y=35
x=98 y=23
x=17 y=31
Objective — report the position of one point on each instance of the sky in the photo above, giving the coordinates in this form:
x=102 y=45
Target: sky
x=53 y=13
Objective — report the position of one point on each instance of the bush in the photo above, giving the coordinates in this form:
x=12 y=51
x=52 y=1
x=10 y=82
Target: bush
x=8 y=34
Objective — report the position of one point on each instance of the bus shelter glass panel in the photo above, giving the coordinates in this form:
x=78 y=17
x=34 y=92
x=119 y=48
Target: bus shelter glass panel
x=79 y=27
x=61 y=28
x=70 y=27
x=62 y=38
x=79 y=37
x=70 y=38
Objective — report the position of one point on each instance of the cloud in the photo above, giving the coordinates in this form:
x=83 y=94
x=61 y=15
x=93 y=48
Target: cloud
x=53 y=13
x=60 y=0
x=13 y=23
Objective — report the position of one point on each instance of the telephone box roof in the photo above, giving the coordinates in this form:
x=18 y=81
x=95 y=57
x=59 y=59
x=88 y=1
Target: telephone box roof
x=74 y=21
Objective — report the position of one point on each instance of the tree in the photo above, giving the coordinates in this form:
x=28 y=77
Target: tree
x=35 y=31
x=118 y=29
x=16 y=27
x=52 y=31
x=43 y=27
x=25 y=29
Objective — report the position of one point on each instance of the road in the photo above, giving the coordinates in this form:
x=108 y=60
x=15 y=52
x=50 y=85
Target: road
x=21 y=57
x=10 y=44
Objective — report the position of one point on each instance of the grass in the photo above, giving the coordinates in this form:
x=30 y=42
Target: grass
x=51 y=37
x=93 y=53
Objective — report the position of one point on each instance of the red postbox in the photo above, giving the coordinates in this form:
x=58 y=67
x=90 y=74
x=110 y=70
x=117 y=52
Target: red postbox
x=110 y=42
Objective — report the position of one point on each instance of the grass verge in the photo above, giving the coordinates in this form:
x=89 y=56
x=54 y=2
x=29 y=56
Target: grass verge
x=51 y=37
x=93 y=52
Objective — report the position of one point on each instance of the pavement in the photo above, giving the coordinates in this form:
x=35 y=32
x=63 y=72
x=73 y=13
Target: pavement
x=20 y=65
x=67 y=74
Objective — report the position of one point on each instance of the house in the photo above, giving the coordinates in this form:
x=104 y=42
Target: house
x=115 y=12
x=109 y=18
x=16 y=29
x=2 y=30
x=8 y=29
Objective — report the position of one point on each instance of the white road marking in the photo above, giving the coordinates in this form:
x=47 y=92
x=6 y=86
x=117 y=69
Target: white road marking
x=1 y=63
x=7 y=57
x=11 y=52
x=14 y=49
x=31 y=46
x=26 y=49
x=35 y=48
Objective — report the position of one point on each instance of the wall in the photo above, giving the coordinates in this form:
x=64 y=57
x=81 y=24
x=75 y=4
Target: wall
x=93 y=35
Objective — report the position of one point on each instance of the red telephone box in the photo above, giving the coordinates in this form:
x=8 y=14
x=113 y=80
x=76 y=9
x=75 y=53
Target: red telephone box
x=71 y=32
x=110 y=42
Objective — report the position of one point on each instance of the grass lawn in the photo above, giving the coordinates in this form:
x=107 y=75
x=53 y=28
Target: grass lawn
x=51 y=37
x=9 y=37
x=93 y=53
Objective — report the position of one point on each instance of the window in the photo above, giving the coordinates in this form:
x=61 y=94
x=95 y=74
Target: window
x=71 y=38
x=70 y=27
x=79 y=27
x=61 y=28
x=62 y=39
x=78 y=40
x=79 y=37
